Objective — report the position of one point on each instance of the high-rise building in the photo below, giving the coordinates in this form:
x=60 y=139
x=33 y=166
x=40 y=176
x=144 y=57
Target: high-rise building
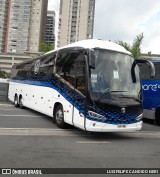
x=76 y=21
x=37 y=24
x=18 y=28
x=26 y=23
x=50 y=28
x=4 y=5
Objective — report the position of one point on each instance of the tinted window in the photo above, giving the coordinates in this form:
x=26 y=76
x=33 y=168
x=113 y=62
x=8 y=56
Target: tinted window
x=145 y=71
x=71 y=67
x=23 y=69
x=80 y=75
x=157 y=67
x=66 y=66
x=44 y=66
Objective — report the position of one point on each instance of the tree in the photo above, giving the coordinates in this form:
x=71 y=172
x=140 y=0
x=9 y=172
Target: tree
x=3 y=74
x=135 y=48
x=44 y=47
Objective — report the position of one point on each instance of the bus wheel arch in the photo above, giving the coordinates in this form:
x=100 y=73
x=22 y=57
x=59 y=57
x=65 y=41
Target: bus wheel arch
x=16 y=100
x=157 y=116
x=58 y=115
x=20 y=102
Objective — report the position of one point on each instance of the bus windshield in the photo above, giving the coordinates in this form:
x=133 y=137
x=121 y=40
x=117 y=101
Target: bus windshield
x=111 y=78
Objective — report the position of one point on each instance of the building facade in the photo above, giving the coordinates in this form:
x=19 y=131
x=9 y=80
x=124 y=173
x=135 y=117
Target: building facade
x=76 y=21
x=50 y=28
x=4 y=5
x=37 y=24
x=25 y=29
x=8 y=60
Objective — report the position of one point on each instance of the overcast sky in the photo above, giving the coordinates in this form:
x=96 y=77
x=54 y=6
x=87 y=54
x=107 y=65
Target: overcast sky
x=124 y=19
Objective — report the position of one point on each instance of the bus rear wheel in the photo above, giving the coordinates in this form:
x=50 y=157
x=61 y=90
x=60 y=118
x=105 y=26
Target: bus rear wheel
x=16 y=101
x=21 y=103
x=59 y=117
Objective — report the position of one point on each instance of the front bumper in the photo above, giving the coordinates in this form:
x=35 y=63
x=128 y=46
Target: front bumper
x=94 y=126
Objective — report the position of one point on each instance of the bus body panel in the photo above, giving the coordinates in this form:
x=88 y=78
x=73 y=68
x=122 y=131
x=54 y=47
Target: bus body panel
x=43 y=99
x=150 y=114
x=151 y=91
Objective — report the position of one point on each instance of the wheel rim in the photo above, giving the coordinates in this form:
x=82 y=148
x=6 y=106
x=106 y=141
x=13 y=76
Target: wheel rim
x=16 y=101
x=59 y=116
x=20 y=103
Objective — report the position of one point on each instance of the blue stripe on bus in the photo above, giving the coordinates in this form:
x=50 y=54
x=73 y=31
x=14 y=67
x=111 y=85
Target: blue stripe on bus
x=70 y=95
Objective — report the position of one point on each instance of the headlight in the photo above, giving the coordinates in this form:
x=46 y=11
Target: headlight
x=96 y=116
x=139 y=117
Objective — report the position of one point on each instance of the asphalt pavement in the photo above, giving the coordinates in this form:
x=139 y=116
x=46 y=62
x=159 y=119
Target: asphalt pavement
x=30 y=140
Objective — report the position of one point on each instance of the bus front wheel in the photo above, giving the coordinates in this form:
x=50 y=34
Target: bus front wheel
x=157 y=117
x=59 y=117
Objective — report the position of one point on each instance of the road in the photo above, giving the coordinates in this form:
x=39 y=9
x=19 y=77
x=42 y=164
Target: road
x=30 y=140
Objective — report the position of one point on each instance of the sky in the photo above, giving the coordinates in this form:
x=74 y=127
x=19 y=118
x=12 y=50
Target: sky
x=124 y=20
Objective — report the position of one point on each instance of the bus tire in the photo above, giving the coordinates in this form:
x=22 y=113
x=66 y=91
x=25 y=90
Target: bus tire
x=16 y=101
x=21 y=103
x=157 y=117
x=59 y=117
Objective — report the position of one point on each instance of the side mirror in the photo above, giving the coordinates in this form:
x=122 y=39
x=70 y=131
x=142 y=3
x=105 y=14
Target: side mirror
x=92 y=59
x=153 y=71
x=149 y=63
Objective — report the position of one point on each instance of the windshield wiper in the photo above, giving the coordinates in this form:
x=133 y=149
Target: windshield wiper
x=108 y=91
x=130 y=97
x=112 y=91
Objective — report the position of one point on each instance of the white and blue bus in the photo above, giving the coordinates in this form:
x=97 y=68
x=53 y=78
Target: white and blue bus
x=151 y=91
x=91 y=84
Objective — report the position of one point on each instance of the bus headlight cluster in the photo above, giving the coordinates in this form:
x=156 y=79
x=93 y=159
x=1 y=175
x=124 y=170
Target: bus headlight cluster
x=139 y=117
x=96 y=116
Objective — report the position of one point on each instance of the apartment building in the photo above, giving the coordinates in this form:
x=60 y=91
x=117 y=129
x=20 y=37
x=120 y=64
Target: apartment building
x=4 y=4
x=76 y=21
x=50 y=28
x=24 y=26
x=38 y=19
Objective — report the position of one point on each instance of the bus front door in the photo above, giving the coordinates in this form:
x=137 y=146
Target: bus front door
x=79 y=112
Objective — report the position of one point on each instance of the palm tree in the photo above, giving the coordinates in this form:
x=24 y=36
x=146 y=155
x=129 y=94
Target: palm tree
x=135 y=48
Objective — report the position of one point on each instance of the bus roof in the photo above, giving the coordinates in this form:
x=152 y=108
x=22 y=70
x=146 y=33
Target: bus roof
x=96 y=43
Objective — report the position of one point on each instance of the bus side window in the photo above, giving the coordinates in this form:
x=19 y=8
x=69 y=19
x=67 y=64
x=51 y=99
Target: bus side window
x=23 y=70
x=43 y=66
x=34 y=68
x=47 y=64
x=80 y=74
x=144 y=72
x=65 y=66
x=71 y=67
x=157 y=68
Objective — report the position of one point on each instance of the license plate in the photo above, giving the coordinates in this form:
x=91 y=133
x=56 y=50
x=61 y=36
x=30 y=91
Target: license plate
x=121 y=126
